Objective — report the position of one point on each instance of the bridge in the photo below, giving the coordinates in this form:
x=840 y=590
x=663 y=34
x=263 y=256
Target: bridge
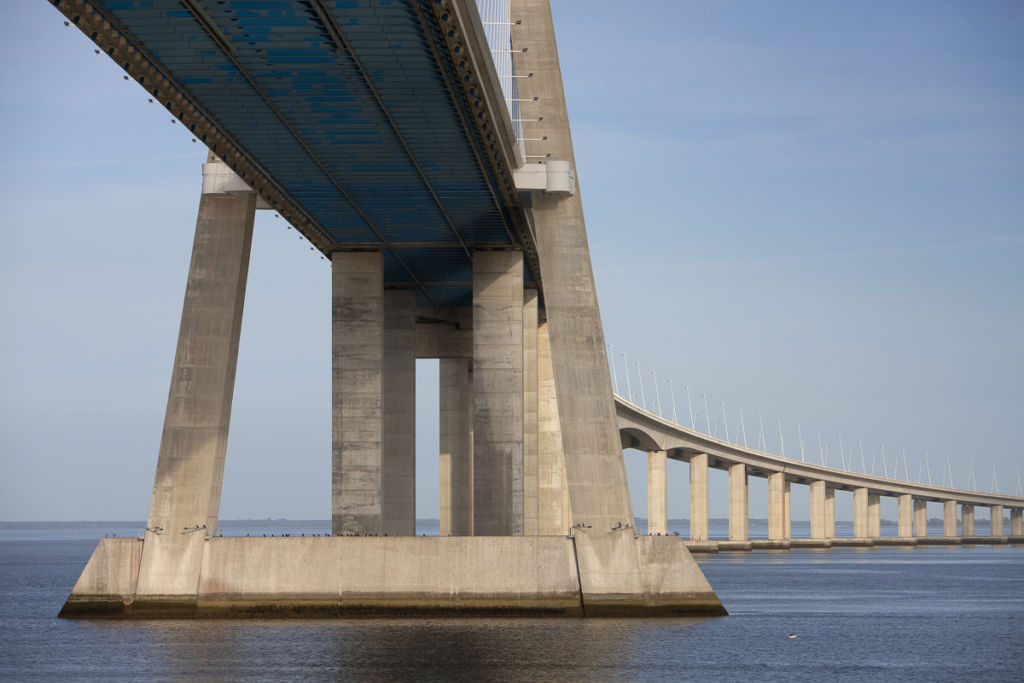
x=423 y=147
x=665 y=439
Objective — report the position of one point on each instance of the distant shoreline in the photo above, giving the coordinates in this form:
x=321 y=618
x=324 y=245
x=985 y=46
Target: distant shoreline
x=267 y=523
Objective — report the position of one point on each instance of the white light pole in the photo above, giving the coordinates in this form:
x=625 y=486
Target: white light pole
x=725 y=422
x=800 y=438
x=820 y=451
x=615 y=376
x=744 y=428
x=672 y=393
x=689 y=404
x=762 y=443
x=782 y=441
x=629 y=389
x=640 y=377
x=657 y=393
x=842 y=453
x=707 y=414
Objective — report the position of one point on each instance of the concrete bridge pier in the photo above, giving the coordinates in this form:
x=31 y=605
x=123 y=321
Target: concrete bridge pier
x=398 y=414
x=190 y=466
x=860 y=513
x=949 y=518
x=1017 y=522
x=920 y=518
x=818 y=510
x=699 y=497
x=497 y=393
x=905 y=516
x=456 y=446
x=996 y=520
x=739 y=518
x=874 y=515
x=966 y=520
x=778 y=507
x=657 y=493
x=830 y=512
x=553 y=517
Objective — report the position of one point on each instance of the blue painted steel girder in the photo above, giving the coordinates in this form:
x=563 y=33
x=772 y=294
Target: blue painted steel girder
x=351 y=107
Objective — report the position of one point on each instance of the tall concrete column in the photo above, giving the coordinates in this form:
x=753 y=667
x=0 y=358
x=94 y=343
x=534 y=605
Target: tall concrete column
x=498 y=393
x=398 y=414
x=830 y=512
x=949 y=518
x=531 y=455
x=860 y=513
x=787 y=514
x=190 y=467
x=818 y=509
x=966 y=520
x=996 y=521
x=777 y=506
x=657 y=492
x=905 y=516
x=874 y=515
x=699 y=497
x=357 y=331
x=1017 y=522
x=456 y=432
x=552 y=506
x=920 y=518
x=738 y=503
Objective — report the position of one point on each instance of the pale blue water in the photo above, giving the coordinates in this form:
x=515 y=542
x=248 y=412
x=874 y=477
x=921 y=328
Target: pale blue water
x=930 y=613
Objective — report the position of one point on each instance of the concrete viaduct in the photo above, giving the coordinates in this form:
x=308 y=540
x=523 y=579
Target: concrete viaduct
x=663 y=439
x=423 y=147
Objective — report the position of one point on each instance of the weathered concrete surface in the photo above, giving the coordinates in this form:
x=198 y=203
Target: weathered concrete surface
x=357 y=351
x=905 y=516
x=699 y=497
x=739 y=517
x=1017 y=522
x=830 y=512
x=996 y=520
x=190 y=467
x=497 y=393
x=553 y=518
x=109 y=580
x=966 y=520
x=531 y=455
x=778 y=507
x=874 y=515
x=456 y=441
x=398 y=414
x=818 y=510
x=920 y=518
x=598 y=491
x=620 y=574
x=860 y=513
x=949 y=518
x=657 y=492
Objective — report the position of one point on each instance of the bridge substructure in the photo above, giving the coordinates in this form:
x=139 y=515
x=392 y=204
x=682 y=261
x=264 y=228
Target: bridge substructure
x=380 y=131
x=665 y=440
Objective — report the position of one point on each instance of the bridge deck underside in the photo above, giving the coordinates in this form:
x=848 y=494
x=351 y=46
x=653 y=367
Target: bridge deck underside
x=352 y=108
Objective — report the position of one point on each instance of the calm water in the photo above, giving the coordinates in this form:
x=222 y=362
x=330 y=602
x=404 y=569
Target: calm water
x=932 y=613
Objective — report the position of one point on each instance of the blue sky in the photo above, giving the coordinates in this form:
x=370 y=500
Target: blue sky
x=813 y=211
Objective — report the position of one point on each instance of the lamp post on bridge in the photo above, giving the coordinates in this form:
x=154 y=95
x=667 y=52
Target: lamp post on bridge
x=689 y=403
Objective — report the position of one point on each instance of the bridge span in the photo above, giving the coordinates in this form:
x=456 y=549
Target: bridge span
x=663 y=440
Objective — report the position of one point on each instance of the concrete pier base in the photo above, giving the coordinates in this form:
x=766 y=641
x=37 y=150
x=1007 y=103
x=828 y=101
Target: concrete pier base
x=699 y=497
x=966 y=520
x=590 y=574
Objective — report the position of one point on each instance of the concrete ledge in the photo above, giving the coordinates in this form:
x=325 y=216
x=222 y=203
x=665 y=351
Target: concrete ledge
x=983 y=540
x=852 y=542
x=767 y=544
x=610 y=574
x=896 y=540
x=734 y=545
x=939 y=540
x=810 y=543
x=701 y=546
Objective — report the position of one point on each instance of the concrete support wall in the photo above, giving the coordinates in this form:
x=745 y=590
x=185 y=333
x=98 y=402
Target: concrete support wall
x=531 y=456
x=920 y=518
x=657 y=492
x=398 y=415
x=699 y=497
x=818 y=509
x=738 y=506
x=190 y=466
x=777 y=500
x=787 y=514
x=357 y=332
x=905 y=516
x=498 y=393
x=1017 y=522
x=874 y=515
x=949 y=518
x=456 y=432
x=967 y=520
x=552 y=503
x=996 y=520
x=830 y=512
x=860 y=513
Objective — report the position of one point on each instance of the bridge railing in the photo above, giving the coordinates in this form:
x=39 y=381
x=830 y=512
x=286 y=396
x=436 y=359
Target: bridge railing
x=496 y=16
x=632 y=387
